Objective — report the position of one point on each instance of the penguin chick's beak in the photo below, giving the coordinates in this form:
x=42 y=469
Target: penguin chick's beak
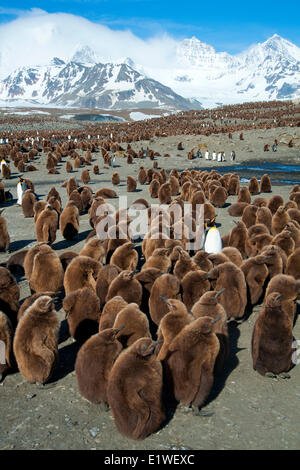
x=117 y=330
x=165 y=300
x=132 y=273
x=153 y=345
x=220 y=292
x=216 y=319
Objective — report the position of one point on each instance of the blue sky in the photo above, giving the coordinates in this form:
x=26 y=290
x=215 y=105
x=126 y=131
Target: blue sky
x=228 y=26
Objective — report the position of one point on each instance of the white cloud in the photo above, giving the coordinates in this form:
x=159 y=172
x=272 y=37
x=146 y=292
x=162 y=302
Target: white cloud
x=36 y=36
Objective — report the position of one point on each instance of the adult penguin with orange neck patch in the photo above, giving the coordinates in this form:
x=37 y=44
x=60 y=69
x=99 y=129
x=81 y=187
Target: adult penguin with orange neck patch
x=213 y=240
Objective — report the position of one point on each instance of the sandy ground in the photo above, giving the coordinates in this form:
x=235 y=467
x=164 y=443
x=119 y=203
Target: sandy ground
x=249 y=411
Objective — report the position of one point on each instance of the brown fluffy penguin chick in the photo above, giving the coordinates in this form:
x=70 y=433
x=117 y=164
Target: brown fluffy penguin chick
x=94 y=249
x=244 y=195
x=46 y=225
x=289 y=287
x=94 y=362
x=105 y=193
x=47 y=272
x=295 y=231
x=154 y=188
x=249 y=215
x=233 y=254
x=260 y=202
x=30 y=300
x=285 y=241
x=125 y=257
x=194 y=284
x=85 y=176
x=28 y=201
x=265 y=184
x=184 y=264
x=142 y=175
x=202 y=260
x=9 y=295
x=253 y=186
x=69 y=167
x=66 y=258
x=234 y=298
x=81 y=272
x=105 y=277
x=69 y=221
x=293 y=213
x=293 y=264
x=238 y=237
x=274 y=202
x=167 y=286
x=208 y=305
x=257 y=243
x=131 y=184
x=173 y=181
x=135 y=322
x=264 y=217
x=256 y=273
x=35 y=341
x=274 y=261
x=15 y=263
x=237 y=209
x=4 y=236
x=38 y=207
x=82 y=309
x=115 y=179
x=191 y=361
x=110 y=312
x=6 y=342
x=272 y=338
x=134 y=390
x=171 y=324
x=279 y=220
x=159 y=260
x=126 y=286
x=164 y=194
x=147 y=277
x=218 y=258
x=218 y=197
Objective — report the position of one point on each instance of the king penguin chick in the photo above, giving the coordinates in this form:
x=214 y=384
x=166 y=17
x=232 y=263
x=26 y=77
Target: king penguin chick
x=135 y=324
x=234 y=299
x=127 y=287
x=167 y=286
x=94 y=362
x=208 y=305
x=191 y=362
x=82 y=309
x=272 y=338
x=134 y=390
x=125 y=257
x=35 y=341
x=171 y=324
x=81 y=272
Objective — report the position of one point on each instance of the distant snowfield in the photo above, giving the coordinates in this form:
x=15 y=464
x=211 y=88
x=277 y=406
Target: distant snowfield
x=137 y=116
x=67 y=116
x=27 y=112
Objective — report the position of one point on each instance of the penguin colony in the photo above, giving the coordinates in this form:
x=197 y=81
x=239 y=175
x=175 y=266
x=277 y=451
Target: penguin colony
x=154 y=322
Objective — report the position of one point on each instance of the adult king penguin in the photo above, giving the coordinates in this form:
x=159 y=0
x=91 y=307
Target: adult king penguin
x=212 y=238
x=21 y=188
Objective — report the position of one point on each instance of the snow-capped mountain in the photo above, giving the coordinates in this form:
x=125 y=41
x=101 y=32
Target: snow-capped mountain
x=192 y=73
x=84 y=83
x=266 y=71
